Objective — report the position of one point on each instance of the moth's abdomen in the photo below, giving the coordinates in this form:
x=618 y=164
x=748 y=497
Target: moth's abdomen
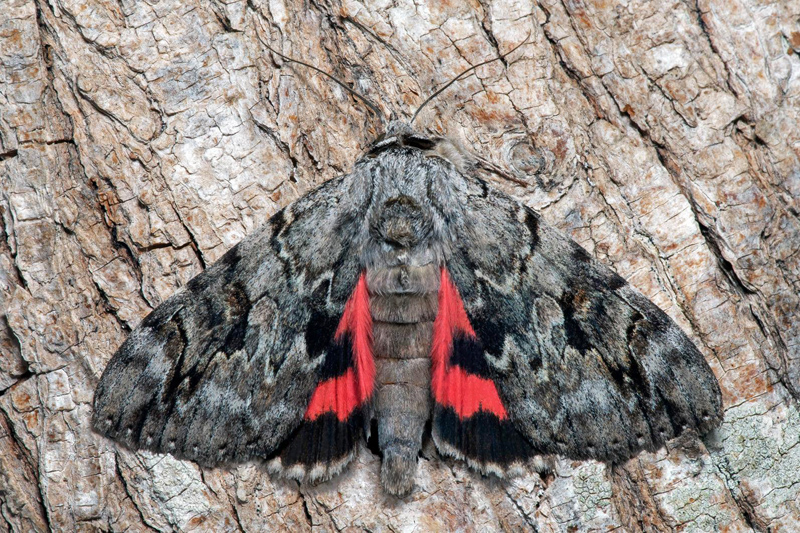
x=403 y=303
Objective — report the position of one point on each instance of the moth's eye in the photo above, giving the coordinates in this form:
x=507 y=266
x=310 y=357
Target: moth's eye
x=375 y=150
x=383 y=143
x=419 y=142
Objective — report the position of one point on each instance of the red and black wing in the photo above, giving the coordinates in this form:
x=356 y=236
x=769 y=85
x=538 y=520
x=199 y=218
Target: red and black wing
x=337 y=412
x=470 y=421
x=555 y=345
x=267 y=344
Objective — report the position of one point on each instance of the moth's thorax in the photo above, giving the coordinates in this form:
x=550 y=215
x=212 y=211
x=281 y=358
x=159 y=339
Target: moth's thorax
x=405 y=223
x=401 y=222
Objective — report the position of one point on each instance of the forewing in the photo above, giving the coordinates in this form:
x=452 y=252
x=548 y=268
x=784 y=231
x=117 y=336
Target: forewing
x=224 y=369
x=586 y=366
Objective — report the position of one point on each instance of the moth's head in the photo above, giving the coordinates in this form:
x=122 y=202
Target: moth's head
x=400 y=134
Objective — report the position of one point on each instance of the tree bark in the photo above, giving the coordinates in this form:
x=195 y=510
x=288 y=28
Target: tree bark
x=141 y=140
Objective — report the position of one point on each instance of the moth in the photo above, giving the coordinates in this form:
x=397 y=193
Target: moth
x=405 y=295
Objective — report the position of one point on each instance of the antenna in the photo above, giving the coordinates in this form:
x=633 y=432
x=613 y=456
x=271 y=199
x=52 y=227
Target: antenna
x=372 y=107
x=470 y=69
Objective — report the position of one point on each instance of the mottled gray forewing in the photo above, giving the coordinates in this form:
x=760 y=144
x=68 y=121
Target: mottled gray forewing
x=586 y=366
x=221 y=371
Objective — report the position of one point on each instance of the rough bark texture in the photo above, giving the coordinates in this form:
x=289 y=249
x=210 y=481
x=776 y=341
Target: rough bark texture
x=140 y=140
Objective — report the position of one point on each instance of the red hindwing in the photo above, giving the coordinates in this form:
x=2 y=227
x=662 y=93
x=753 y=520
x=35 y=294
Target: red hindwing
x=452 y=385
x=341 y=395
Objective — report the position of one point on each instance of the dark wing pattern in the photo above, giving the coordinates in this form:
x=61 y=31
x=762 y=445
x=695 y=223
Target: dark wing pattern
x=586 y=366
x=223 y=371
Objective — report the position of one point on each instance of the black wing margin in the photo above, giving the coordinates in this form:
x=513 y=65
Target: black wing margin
x=223 y=370
x=586 y=366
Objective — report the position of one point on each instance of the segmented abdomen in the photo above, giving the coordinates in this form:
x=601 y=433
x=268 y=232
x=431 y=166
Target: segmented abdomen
x=404 y=303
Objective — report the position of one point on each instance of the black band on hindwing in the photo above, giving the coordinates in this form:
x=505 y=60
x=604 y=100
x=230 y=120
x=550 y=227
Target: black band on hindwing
x=483 y=437
x=323 y=440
